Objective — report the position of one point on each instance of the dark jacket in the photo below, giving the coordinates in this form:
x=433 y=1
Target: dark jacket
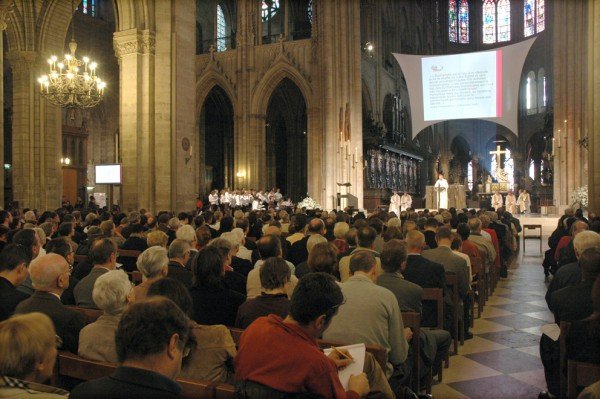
x=566 y=276
x=572 y=303
x=215 y=304
x=133 y=243
x=178 y=272
x=9 y=298
x=128 y=383
x=298 y=252
x=67 y=322
x=241 y=266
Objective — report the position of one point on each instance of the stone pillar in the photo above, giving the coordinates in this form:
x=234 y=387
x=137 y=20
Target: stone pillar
x=37 y=175
x=5 y=8
x=592 y=129
x=337 y=58
x=570 y=23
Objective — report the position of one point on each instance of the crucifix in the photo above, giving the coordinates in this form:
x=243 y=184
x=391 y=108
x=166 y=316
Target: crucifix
x=498 y=153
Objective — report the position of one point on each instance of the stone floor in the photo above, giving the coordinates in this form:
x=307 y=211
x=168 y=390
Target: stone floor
x=502 y=360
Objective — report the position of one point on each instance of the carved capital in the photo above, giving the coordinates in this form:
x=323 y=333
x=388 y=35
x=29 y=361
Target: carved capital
x=134 y=42
x=6 y=7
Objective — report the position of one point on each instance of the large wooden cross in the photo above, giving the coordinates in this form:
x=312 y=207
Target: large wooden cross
x=498 y=153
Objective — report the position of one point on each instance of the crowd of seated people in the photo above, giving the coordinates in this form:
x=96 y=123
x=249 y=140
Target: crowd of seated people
x=285 y=276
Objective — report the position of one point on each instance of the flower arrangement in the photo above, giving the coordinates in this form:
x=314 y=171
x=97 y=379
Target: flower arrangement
x=580 y=197
x=309 y=203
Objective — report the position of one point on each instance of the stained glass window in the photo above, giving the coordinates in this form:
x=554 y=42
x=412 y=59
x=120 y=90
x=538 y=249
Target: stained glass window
x=452 y=22
x=470 y=175
x=489 y=21
x=89 y=7
x=269 y=9
x=540 y=16
x=529 y=15
x=503 y=9
x=541 y=90
x=310 y=10
x=221 y=30
x=531 y=94
x=463 y=19
x=532 y=169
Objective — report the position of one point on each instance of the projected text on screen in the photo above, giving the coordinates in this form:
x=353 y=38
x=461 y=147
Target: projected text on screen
x=462 y=86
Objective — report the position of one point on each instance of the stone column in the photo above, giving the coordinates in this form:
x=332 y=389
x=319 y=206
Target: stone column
x=37 y=176
x=5 y=8
x=592 y=128
x=135 y=50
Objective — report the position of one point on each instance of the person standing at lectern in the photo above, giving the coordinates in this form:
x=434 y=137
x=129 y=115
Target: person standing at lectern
x=441 y=190
x=405 y=202
x=395 y=203
x=497 y=200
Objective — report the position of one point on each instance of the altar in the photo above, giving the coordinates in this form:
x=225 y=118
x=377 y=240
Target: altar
x=457 y=197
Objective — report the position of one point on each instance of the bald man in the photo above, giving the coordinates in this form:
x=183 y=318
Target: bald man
x=298 y=252
x=50 y=277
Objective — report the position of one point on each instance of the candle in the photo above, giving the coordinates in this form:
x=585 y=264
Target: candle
x=552 y=146
x=578 y=133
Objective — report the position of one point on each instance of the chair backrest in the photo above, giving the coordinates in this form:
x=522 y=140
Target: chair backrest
x=452 y=282
x=565 y=327
x=80 y=258
x=476 y=265
x=224 y=391
x=435 y=294
x=581 y=374
x=196 y=389
x=128 y=253
x=90 y=315
x=412 y=320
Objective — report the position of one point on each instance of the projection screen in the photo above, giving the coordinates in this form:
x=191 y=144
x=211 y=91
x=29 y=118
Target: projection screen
x=481 y=85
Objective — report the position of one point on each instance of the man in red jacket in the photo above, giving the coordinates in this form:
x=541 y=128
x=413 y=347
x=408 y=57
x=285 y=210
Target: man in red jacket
x=283 y=355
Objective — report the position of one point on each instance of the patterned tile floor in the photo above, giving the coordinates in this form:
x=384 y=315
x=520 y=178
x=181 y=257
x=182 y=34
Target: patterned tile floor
x=502 y=360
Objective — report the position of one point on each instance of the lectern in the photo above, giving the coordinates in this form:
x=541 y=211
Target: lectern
x=344 y=199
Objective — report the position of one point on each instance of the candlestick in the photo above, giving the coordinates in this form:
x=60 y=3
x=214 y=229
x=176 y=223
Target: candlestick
x=552 y=146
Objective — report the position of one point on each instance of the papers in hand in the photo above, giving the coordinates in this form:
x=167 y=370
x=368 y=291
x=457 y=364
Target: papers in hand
x=551 y=330
x=357 y=352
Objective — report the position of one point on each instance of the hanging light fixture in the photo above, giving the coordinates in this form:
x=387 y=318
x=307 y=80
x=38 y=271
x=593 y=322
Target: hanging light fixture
x=72 y=83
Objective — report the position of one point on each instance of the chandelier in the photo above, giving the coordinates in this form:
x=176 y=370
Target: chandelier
x=72 y=83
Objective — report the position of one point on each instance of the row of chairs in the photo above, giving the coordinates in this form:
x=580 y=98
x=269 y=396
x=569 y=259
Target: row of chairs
x=574 y=374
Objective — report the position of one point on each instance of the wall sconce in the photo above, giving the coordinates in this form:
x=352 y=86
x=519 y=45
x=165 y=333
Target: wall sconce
x=65 y=161
x=368 y=48
x=7 y=166
x=241 y=174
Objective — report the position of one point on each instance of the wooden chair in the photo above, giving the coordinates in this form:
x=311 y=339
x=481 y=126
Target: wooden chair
x=437 y=295
x=196 y=389
x=452 y=282
x=128 y=253
x=479 y=286
x=581 y=374
x=412 y=320
x=532 y=236
x=565 y=327
x=224 y=391
x=90 y=315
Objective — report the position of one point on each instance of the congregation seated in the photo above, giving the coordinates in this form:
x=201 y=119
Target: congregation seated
x=152 y=338
x=482 y=242
x=214 y=302
x=371 y=314
x=456 y=265
x=104 y=258
x=211 y=359
x=571 y=304
x=339 y=231
x=153 y=264
x=313 y=240
x=14 y=260
x=323 y=258
x=28 y=347
x=136 y=241
x=274 y=275
x=570 y=274
x=365 y=239
x=179 y=254
x=50 y=277
x=112 y=293
x=63 y=248
x=31 y=241
x=241 y=265
x=268 y=246
x=278 y=355
x=431 y=226
x=298 y=251
x=157 y=238
x=83 y=268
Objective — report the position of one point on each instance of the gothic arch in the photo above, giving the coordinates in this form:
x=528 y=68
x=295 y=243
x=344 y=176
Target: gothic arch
x=269 y=82
x=205 y=85
x=134 y=14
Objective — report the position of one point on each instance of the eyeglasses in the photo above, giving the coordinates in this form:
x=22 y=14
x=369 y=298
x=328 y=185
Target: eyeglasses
x=58 y=341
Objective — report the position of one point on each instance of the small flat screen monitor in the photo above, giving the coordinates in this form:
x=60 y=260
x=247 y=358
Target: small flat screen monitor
x=108 y=174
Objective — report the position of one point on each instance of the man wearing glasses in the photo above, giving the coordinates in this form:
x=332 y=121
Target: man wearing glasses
x=50 y=277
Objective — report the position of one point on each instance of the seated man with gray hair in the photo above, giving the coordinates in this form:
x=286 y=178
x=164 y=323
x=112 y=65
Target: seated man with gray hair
x=268 y=246
x=179 y=255
x=242 y=266
x=153 y=264
x=233 y=279
x=50 y=277
x=112 y=293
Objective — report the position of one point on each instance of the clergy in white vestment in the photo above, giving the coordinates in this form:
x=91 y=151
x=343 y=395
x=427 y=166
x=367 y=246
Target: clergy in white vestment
x=395 y=203
x=213 y=198
x=441 y=189
x=497 y=200
x=510 y=202
x=405 y=202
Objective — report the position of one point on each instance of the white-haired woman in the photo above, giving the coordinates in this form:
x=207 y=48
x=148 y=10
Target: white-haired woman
x=112 y=293
x=153 y=263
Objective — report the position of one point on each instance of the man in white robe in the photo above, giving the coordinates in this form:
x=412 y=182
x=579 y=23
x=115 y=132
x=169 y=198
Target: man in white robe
x=510 y=203
x=441 y=190
x=497 y=200
x=405 y=202
x=395 y=203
